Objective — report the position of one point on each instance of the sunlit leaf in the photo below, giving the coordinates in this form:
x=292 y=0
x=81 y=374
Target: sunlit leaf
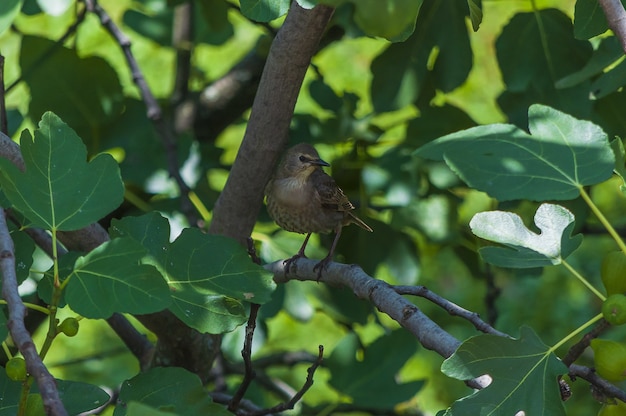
x=525 y=248
x=60 y=190
x=524 y=375
x=561 y=155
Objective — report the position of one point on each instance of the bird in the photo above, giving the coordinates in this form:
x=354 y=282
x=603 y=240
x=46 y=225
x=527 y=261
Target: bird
x=302 y=198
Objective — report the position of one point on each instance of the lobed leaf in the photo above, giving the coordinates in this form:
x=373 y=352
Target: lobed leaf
x=60 y=190
x=524 y=248
x=561 y=155
x=524 y=375
x=209 y=276
x=171 y=389
x=111 y=279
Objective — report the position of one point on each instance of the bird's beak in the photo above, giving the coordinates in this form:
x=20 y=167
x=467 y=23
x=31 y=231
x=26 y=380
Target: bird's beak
x=319 y=162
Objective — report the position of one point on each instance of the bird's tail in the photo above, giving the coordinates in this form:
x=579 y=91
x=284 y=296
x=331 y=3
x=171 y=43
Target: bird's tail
x=359 y=222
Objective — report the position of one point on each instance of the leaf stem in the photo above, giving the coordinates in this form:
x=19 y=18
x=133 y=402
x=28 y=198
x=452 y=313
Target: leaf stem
x=32 y=306
x=603 y=220
x=583 y=280
x=576 y=332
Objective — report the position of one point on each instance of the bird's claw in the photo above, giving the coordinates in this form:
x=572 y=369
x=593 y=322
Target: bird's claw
x=321 y=267
x=287 y=264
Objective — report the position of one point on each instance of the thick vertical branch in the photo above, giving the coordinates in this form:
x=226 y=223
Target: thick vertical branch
x=616 y=18
x=267 y=132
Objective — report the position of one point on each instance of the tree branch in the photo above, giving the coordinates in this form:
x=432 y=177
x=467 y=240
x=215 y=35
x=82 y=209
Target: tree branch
x=267 y=132
x=379 y=293
x=154 y=112
x=17 y=312
x=616 y=18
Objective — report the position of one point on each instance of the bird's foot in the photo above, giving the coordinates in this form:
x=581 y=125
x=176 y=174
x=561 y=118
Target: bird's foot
x=291 y=262
x=322 y=266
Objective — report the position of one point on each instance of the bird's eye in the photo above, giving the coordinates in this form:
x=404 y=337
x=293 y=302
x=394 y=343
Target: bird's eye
x=302 y=158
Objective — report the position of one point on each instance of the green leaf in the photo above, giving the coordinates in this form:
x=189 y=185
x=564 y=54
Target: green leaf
x=10 y=391
x=476 y=13
x=562 y=155
x=80 y=397
x=264 y=10
x=401 y=71
x=524 y=376
x=589 y=19
x=534 y=51
x=60 y=190
x=214 y=264
x=393 y=20
x=151 y=230
x=377 y=372
x=209 y=276
x=24 y=249
x=77 y=397
x=168 y=389
x=609 y=81
x=111 y=279
x=8 y=10
x=85 y=92
x=608 y=52
x=527 y=249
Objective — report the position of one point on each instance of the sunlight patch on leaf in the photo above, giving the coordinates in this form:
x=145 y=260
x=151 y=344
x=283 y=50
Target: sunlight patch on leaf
x=525 y=248
x=561 y=155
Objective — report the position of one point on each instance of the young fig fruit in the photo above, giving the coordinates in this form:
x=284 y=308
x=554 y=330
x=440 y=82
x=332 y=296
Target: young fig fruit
x=614 y=309
x=16 y=369
x=613 y=272
x=610 y=359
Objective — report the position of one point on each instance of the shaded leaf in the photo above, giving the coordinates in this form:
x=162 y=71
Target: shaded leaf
x=476 y=13
x=377 y=372
x=60 y=190
x=524 y=376
x=401 y=70
x=562 y=155
x=534 y=51
x=526 y=249
x=168 y=389
x=213 y=264
x=607 y=53
x=84 y=92
x=209 y=276
x=589 y=19
x=111 y=279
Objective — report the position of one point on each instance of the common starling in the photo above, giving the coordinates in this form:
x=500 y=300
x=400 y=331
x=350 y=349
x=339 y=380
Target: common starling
x=303 y=199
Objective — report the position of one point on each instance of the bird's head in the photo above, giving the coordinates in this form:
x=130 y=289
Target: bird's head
x=300 y=161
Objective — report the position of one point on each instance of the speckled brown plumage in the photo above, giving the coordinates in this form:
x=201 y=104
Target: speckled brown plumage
x=302 y=198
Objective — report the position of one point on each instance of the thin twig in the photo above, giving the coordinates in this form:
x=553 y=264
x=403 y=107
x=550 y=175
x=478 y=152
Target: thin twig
x=153 y=110
x=586 y=373
x=577 y=349
x=17 y=312
x=450 y=307
x=246 y=353
x=300 y=393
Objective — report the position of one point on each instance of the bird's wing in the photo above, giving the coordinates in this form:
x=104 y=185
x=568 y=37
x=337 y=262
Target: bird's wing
x=330 y=195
